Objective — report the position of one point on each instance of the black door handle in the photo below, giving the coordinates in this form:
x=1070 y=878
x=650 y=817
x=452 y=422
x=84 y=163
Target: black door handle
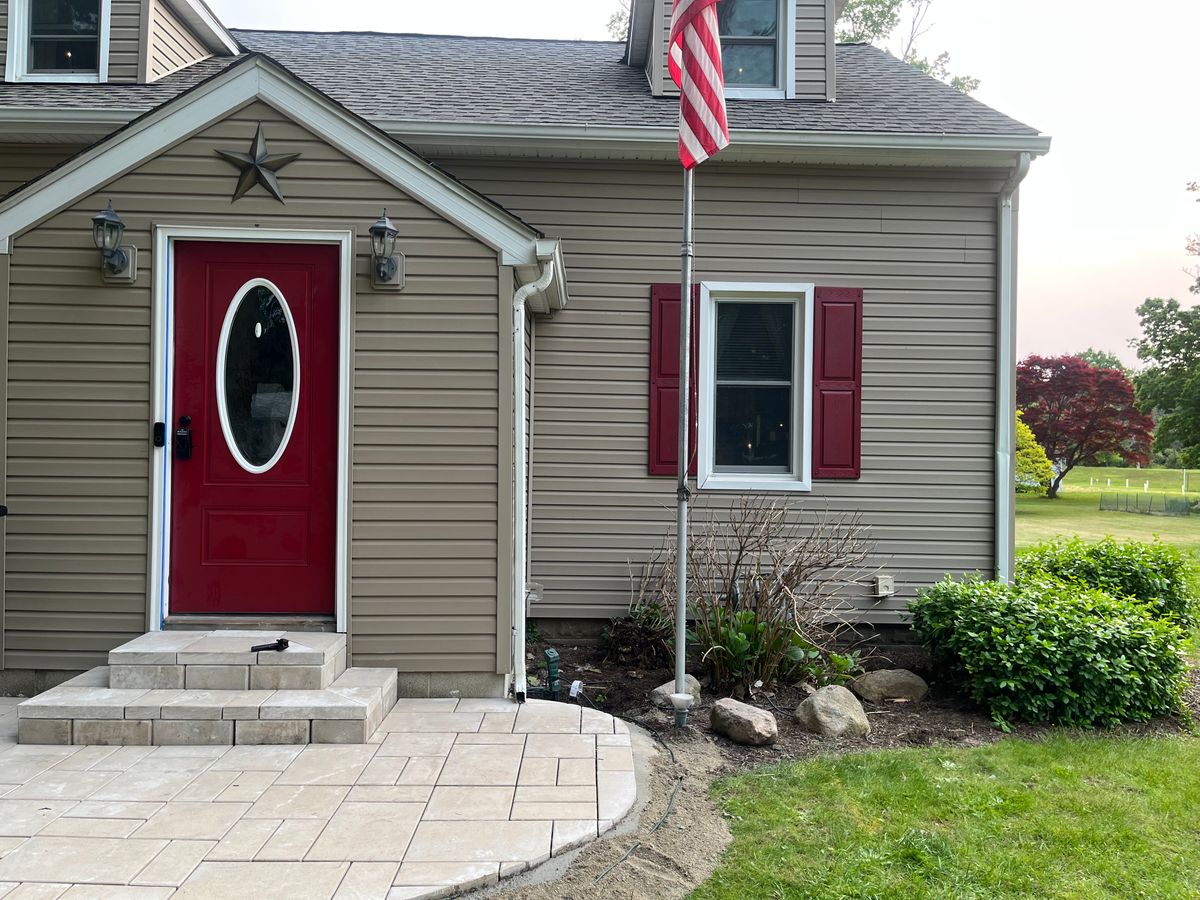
x=183 y=438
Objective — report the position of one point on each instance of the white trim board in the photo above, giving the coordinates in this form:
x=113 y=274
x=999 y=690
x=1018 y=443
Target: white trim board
x=17 y=56
x=163 y=340
x=259 y=79
x=802 y=296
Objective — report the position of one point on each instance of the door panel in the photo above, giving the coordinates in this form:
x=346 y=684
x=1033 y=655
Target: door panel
x=254 y=507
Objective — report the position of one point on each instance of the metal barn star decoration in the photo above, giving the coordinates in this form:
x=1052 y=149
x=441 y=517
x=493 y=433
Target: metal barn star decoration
x=258 y=166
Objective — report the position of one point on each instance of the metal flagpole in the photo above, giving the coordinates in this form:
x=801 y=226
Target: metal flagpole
x=682 y=698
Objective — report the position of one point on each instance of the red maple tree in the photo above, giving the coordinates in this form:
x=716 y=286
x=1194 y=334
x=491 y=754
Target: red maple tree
x=1079 y=411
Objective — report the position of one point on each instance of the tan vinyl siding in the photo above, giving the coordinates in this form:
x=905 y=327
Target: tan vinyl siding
x=125 y=40
x=814 y=46
x=923 y=247
x=171 y=46
x=814 y=42
x=424 y=561
x=20 y=163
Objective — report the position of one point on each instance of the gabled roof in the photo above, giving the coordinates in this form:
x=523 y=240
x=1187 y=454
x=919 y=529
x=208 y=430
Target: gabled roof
x=257 y=77
x=468 y=79
x=465 y=80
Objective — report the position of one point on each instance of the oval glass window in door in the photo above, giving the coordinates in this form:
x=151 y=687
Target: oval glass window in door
x=258 y=375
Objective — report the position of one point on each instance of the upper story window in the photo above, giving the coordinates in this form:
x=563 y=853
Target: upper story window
x=757 y=40
x=64 y=36
x=58 y=40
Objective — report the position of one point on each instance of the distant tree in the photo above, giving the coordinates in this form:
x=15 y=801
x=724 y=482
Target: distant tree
x=1079 y=411
x=876 y=21
x=1170 y=385
x=1034 y=471
x=618 y=22
x=1102 y=359
x=1193 y=244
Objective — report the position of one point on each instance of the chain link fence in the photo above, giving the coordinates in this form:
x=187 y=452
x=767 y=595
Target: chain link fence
x=1147 y=504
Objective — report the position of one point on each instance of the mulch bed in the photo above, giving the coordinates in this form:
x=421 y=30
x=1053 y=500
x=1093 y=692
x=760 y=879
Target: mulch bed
x=942 y=719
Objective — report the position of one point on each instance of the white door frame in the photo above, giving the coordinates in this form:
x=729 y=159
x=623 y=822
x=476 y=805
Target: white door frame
x=162 y=345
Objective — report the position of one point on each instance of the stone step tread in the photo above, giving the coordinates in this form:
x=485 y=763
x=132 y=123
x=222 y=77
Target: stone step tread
x=359 y=693
x=225 y=648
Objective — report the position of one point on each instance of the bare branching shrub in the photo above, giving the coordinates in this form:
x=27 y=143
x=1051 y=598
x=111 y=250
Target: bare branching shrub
x=645 y=636
x=767 y=589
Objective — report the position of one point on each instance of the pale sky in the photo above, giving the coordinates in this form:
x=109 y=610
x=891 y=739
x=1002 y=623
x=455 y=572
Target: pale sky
x=1104 y=217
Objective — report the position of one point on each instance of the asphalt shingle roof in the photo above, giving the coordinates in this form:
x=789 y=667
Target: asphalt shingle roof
x=510 y=81
x=548 y=82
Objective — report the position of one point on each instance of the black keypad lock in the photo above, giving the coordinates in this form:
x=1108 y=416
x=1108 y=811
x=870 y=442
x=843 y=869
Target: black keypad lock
x=183 y=438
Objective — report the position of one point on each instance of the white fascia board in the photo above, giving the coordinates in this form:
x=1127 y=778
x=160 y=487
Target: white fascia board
x=123 y=152
x=635 y=137
x=516 y=242
x=617 y=141
x=207 y=26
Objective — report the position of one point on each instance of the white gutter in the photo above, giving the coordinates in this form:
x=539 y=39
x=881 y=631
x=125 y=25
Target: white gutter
x=520 y=485
x=1006 y=377
x=583 y=138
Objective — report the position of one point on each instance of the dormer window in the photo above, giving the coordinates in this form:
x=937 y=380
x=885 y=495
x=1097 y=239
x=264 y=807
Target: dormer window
x=58 y=40
x=757 y=43
x=64 y=36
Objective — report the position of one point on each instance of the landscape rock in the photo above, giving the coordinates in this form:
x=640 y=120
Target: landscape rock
x=661 y=695
x=833 y=712
x=890 y=684
x=743 y=723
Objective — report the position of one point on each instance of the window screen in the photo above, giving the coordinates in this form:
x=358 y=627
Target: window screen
x=754 y=404
x=64 y=36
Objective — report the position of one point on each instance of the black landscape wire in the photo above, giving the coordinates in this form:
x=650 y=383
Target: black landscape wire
x=657 y=825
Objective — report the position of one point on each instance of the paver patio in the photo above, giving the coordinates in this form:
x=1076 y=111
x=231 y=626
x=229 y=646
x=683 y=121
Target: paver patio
x=448 y=795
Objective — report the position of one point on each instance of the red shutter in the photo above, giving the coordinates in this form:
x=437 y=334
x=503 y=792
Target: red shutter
x=837 y=383
x=664 y=379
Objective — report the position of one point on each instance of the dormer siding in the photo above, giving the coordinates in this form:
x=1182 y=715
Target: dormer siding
x=809 y=56
x=170 y=44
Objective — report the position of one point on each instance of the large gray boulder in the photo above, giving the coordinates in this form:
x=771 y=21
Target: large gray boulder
x=661 y=695
x=890 y=684
x=743 y=723
x=833 y=712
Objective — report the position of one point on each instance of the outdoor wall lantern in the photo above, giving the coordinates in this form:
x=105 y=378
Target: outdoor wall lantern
x=120 y=262
x=387 y=266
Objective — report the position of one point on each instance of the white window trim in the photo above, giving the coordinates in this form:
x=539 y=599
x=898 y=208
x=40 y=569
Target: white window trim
x=17 y=60
x=800 y=478
x=785 y=63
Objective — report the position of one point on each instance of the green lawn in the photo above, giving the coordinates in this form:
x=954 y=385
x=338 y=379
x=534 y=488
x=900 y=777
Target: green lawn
x=1078 y=513
x=1080 y=817
x=1097 y=478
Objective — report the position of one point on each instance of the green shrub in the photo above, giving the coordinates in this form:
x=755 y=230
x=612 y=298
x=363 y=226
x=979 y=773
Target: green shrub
x=1154 y=573
x=740 y=647
x=1034 y=471
x=1043 y=650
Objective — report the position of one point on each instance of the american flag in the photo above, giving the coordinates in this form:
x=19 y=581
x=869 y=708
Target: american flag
x=695 y=64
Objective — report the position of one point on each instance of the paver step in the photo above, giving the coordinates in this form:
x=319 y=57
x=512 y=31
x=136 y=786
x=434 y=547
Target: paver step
x=86 y=710
x=223 y=660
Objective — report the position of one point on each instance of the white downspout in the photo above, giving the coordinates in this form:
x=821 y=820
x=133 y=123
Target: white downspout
x=1006 y=366
x=520 y=487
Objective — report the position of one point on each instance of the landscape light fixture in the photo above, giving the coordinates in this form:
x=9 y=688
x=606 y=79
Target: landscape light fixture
x=387 y=268
x=108 y=228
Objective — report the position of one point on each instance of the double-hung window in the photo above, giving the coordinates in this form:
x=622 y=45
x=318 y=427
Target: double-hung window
x=755 y=386
x=757 y=43
x=57 y=40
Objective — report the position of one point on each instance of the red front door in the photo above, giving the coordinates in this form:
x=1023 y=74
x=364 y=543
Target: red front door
x=254 y=503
